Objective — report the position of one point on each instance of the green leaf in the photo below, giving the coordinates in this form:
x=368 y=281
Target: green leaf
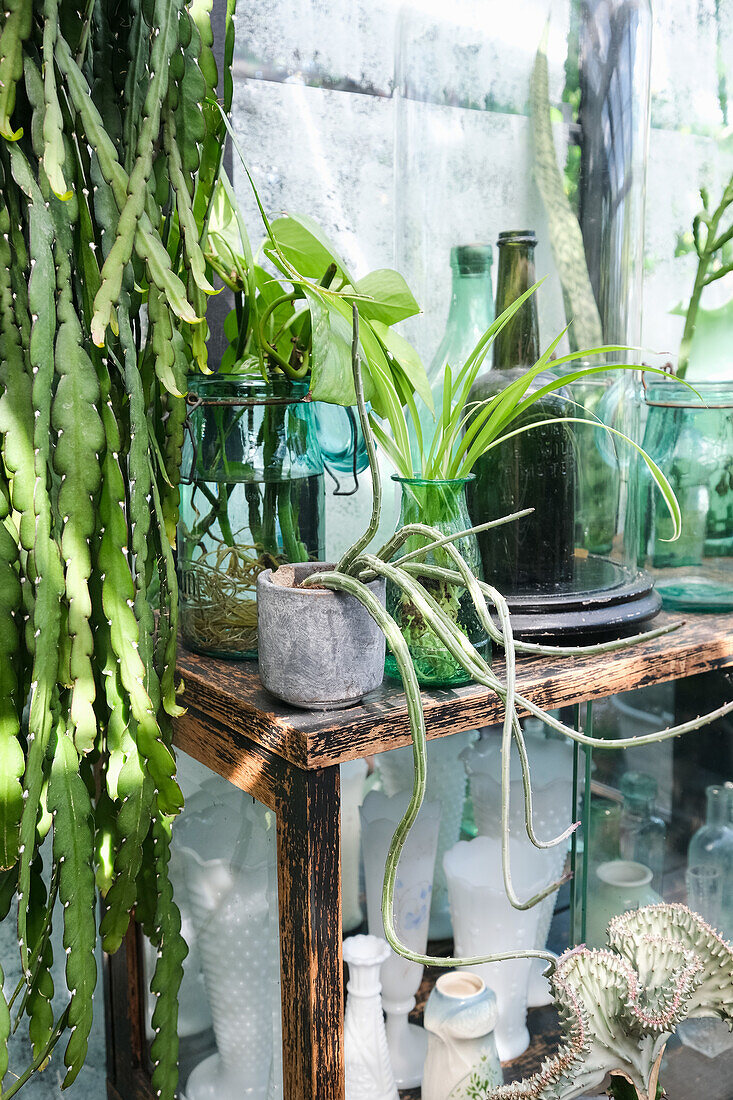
x=393 y=299
x=331 y=378
x=407 y=357
x=73 y=846
x=304 y=244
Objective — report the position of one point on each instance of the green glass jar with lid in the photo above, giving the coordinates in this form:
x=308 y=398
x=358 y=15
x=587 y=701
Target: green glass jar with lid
x=252 y=497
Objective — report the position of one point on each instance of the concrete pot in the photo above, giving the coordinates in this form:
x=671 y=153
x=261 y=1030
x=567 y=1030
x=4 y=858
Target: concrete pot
x=318 y=649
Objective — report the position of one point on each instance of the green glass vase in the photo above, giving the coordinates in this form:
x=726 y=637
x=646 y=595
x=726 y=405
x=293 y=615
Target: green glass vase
x=442 y=505
x=690 y=437
x=252 y=497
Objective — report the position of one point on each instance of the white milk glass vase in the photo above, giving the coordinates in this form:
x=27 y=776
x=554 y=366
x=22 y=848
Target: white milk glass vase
x=446 y=784
x=401 y=978
x=353 y=776
x=617 y=885
x=551 y=764
x=460 y=1018
x=368 y=1069
x=484 y=922
x=234 y=910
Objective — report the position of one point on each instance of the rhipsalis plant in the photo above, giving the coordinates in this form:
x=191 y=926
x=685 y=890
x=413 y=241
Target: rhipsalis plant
x=110 y=150
x=408 y=571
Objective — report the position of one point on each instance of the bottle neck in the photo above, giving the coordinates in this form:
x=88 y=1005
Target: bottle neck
x=518 y=343
x=719 y=805
x=470 y=314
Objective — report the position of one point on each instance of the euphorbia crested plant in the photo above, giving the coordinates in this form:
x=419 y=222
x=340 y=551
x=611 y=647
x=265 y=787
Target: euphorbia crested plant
x=110 y=149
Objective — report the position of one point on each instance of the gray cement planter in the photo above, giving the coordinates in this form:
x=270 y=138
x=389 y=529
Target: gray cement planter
x=317 y=649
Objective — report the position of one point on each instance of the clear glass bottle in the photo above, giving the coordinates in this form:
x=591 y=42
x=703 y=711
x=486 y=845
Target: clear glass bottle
x=470 y=314
x=535 y=469
x=712 y=845
x=252 y=497
x=441 y=504
x=642 y=832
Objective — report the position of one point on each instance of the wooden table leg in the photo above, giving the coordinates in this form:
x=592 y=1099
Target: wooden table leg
x=309 y=891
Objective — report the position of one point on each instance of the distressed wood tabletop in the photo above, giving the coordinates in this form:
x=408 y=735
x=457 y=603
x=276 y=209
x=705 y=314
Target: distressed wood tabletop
x=227 y=705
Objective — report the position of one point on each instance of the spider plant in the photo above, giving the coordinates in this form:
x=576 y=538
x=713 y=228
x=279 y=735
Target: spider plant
x=408 y=571
x=290 y=329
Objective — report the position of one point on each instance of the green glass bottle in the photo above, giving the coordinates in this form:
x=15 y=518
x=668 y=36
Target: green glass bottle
x=535 y=469
x=470 y=314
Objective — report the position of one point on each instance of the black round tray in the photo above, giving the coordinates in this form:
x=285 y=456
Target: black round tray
x=606 y=599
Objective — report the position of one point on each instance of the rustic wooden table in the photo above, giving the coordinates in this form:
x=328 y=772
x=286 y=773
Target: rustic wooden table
x=289 y=760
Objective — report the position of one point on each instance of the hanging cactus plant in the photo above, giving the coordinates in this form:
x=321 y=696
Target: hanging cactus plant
x=110 y=150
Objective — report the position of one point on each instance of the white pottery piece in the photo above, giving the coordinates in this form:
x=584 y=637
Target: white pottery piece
x=401 y=978
x=353 y=775
x=485 y=923
x=618 y=885
x=366 y=1055
x=234 y=910
x=551 y=764
x=460 y=1018
x=446 y=784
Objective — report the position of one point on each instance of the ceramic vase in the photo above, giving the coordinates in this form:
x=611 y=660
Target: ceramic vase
x=401 y=978
x=616 y=886
x=234 y=910
x=368 y=1069
x=446 y=784
x=551 y=764
x=462 y=1060
x=485 y=923
x=353 y=776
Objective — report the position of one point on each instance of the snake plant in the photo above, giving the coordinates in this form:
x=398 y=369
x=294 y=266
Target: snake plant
x=406 y=571
x=111 y=146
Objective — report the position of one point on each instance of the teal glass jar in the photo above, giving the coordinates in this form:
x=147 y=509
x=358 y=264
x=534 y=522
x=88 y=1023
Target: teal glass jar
x=442 y=505
x=252 y=497
x=690 y=437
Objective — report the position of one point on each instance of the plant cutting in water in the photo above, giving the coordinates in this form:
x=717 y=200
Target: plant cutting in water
x=111 y=144
x=405 y=571
x=619 y=1007
x=290 y=330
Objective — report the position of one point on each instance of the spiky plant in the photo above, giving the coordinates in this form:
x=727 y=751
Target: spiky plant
x=619 y=1007
x=111 y=144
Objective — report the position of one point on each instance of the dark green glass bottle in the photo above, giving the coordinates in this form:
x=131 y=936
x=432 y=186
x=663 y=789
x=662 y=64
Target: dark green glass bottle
x=533 y=470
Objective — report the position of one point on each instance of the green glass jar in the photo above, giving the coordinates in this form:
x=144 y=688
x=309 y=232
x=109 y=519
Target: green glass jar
x=440 y=504
x=690 y=437
x=252 y=497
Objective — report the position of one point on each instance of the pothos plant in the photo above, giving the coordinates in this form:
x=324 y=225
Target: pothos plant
x=409 y=571
x=289 y=336
x=111 y=146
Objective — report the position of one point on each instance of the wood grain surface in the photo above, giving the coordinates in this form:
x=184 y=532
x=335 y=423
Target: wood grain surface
x=230 y=696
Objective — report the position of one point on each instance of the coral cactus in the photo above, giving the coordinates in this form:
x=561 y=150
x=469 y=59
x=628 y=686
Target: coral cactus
x=619 y=1007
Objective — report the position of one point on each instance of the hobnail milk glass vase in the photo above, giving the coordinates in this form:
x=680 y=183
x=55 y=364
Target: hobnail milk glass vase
x=353 y=776
x=484 y=922
x=234 y=910
x=551 y=764
x=462 y=1060
x=413 y=888
x=366 y=1056
x=446 y=784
